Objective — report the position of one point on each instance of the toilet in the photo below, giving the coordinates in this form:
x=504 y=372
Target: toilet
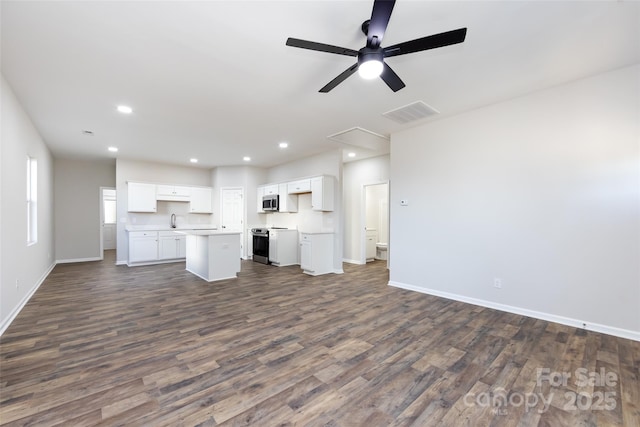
x=381 y=251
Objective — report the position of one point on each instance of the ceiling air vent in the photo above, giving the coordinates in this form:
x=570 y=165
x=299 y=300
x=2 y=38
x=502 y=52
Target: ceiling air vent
x=411 y=112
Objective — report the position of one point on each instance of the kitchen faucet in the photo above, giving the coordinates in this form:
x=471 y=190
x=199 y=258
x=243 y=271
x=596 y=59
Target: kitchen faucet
x=173 y=220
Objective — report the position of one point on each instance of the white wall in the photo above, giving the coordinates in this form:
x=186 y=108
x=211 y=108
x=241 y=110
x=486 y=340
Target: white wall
x=29 y=265
x=357 y=174
x=77 y=207
x=329 y=163
x=305 y=219
x=542 y=191
x=138 y=171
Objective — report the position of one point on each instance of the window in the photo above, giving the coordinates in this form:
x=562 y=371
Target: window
x=32 y=201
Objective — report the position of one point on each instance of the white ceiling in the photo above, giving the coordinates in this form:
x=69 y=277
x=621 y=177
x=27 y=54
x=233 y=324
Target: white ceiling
x=214 y=79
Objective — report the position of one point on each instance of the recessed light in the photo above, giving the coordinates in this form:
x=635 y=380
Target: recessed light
x=125 y=109
x=283 y=145
x=352 y=154
x=113 y=149
x=246 y=158
x=193 y=160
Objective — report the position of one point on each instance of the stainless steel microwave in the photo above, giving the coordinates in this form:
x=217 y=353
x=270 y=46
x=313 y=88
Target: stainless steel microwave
x=270 y=202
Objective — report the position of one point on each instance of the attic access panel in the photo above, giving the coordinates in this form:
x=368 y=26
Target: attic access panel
x=361 y=138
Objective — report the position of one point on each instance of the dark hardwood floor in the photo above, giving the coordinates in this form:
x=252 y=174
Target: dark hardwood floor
x=100 y=344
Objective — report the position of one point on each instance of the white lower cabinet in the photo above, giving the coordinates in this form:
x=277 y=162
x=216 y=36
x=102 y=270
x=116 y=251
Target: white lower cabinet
x=151 y=247
x=283 y=247
x=316 y=253
x=371 y=240
x=171 y=245
x=143 y=246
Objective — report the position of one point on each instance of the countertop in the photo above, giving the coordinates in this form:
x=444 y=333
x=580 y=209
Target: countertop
x=182 y=227
x=315 y=232
x=207 y=232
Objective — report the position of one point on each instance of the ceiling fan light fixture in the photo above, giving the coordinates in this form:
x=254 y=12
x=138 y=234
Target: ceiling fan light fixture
x=370 y=69
x=370 y=63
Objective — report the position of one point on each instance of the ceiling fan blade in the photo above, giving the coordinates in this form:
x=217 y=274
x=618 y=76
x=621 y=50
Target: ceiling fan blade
x=342 y=77
x=391 y=79
x=304 y=44
x=425 y=43
x=380 y=16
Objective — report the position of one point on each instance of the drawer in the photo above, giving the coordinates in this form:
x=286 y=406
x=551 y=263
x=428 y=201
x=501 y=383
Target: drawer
x=143 y=234
x=169 y=233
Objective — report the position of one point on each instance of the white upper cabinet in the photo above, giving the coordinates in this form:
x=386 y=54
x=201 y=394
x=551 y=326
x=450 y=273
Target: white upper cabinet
x=322 y=188
x=300 y=186
x=175 y=193
x=201 y=200
x=287 y=202
x=270 y=190
x=259 y=195
x=141 y=197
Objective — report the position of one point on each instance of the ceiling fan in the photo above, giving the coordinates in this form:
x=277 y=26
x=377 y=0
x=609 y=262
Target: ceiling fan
x=371 y=57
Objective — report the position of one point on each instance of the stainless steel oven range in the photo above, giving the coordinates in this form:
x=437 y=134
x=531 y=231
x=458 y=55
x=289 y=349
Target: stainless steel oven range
x=260 y=245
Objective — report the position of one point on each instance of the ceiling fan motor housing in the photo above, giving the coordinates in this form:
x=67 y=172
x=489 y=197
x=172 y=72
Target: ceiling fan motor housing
x=368 y=54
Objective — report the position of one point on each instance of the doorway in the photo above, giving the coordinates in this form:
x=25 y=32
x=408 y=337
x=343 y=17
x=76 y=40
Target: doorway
x=232 y=212
x=107 y=219
x=375 y=220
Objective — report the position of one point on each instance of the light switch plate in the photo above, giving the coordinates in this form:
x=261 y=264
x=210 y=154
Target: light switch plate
x=404 y=202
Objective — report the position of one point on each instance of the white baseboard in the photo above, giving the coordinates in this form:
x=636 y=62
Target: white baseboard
x=121 y=262
x=68 y=261
x=160 y=261
x=581 y=324
x=5 y=324
x=352 y=261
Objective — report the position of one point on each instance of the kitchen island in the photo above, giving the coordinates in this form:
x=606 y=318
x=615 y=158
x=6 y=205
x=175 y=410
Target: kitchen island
x=213 y=255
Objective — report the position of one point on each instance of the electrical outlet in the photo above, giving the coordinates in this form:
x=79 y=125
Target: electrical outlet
x=497 y=282
x=404 y=202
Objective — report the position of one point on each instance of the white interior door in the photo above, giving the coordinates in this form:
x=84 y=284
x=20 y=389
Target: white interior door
x=108 y=236
x=232 y=211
